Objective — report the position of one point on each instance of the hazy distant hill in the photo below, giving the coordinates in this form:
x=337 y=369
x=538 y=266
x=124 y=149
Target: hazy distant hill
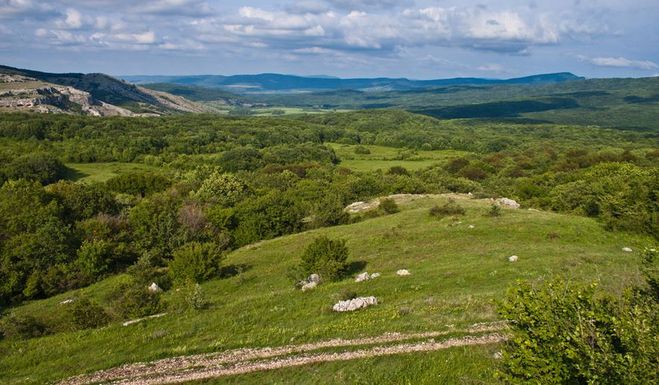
x=100 y=88
x=283 y=83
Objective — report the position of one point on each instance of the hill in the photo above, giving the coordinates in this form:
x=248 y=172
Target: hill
x=96 y=94
x=291 y=83
x=456 y=273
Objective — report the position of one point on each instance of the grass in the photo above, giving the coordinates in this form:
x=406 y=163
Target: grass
x=457 y=273
x=383 y=158
x=101 y=172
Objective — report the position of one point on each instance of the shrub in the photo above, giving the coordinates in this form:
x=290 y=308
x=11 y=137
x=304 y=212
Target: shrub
x=494 y=211
x=361 y=150
x=194 y=296
x=389 y=206
x=22 y=327
x=574 y=335
x=85 y=314
x=195 y=261
x=134 y=300
x=326 y=257
x=398 y=170
x=449 y=208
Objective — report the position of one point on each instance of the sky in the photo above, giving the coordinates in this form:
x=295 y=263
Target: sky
x=347 y=38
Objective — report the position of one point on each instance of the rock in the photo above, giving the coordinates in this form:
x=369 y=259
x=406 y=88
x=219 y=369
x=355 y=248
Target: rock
x=402 y=272
x=66 y=302
x=309 y=286
x=354 y=304
x=627 y=249
x=498 y=356
x=513 y=258
x=362 y=277
x=154 y=288
x=143 y=319
x=314 y=278
x=472 y=226
x=509 y=203
x=375 y=275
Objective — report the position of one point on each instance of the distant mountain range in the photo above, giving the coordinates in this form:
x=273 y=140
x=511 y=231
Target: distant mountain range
x=290 y=83
x=89 y=94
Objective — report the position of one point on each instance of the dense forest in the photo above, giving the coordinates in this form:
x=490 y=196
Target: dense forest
x=225 y=182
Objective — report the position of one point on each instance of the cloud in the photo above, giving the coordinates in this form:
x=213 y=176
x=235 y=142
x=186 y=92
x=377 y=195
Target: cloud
x=621 y=62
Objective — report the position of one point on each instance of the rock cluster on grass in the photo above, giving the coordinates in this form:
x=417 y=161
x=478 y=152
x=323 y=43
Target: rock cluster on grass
x=311 y=282
x=506 y=202
x=354 y=304
x=402 y=272
x=365 y=276
x=627 y=249
x=513 y=258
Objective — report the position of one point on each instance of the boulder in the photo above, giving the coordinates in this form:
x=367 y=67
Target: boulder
x=402 y=272
x=354 y=304
x=627 y=249
x=362 y=277
x=314 y=278
x=509 y=203
x=309 y=286
x=154 y=288
x=375 y=275
x=66 y=301
x=513 y=258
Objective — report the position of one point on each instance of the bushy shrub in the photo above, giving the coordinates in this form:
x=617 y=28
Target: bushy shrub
x=388 y=206
x=85 y=314
x=326 y=257
x=195 y=261
x=16 y=326
x=494 y=211
x=449 y=208
x=361 y=150
x=134 y=300
x=563 y=334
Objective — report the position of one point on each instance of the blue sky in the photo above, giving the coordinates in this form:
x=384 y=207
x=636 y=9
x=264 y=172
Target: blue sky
x=348 y=38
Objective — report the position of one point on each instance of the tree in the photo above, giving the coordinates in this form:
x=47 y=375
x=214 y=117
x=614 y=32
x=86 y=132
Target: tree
x=326 y=257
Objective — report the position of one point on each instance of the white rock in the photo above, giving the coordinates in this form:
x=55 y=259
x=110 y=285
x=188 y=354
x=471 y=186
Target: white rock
x=513 y=258
x=354 y=304
x=142 y=319
x=505 y=202
x=402 y=272
x=66 y=302
x=627 y=249
x=498 y=355
x=362 y=277
x=314 y=278
x=375 y=275
x=472 y=226
x=154 y=288
x=309 y=286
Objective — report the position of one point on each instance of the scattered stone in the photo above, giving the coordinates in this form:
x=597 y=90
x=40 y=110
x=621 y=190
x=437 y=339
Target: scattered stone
x=154 y=288
x=358 y=207
x=498 y=356
x=627 y=249
x=365 y=276
x=513 y=258
x=314 y=278
x=143 y=319
x=309 y=286
x=472 y=226
x=375 y=275
x=67 y=301
x=509 y=203
x=354 y=304
x=402 y=272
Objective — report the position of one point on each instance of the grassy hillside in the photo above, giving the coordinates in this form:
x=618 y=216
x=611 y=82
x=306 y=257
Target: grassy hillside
x=457 y=272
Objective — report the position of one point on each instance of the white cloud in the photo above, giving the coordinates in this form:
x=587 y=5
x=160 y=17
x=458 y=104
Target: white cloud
x=621 y=62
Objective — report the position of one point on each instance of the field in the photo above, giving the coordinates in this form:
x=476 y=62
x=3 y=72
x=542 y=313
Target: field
x=457 y=274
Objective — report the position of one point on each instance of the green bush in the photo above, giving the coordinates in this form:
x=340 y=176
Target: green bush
x=388 y=206
x=494 y=211
x=22 y=327
x=449 y=208
x=134 y=300
x=326 y=257
x=85 y=314
x=195 y=261
x=563 y=334
x=361 y=150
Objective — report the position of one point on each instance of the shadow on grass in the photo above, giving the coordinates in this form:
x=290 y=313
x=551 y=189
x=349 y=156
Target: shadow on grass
x=234 y=270
x=354 y=268
x=74 y=175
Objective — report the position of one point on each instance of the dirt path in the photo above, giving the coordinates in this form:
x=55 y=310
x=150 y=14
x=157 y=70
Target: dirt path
x=240 y=361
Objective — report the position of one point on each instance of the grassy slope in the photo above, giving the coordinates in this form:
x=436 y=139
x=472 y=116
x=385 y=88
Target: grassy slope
x=101 y=172
x=456 y=273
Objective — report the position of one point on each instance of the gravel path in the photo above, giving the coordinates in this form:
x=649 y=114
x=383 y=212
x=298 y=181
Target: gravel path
x=247 y=360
